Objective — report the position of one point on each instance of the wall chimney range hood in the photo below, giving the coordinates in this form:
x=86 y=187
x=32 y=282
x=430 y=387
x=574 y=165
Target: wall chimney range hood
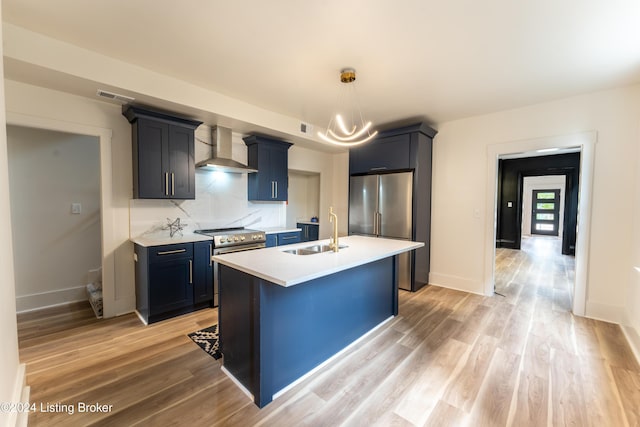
x=221 y=154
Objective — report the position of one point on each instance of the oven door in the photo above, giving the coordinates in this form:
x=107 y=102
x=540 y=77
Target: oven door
x=222 y=251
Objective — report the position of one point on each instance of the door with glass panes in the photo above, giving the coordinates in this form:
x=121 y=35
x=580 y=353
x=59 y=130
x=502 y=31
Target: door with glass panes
x=545 y=212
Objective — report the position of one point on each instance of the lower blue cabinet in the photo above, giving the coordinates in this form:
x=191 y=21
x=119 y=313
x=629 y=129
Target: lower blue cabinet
x=310 y=232
x=280 y=239
x=173 y=279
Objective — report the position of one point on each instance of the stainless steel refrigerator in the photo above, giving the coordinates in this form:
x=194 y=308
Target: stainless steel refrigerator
x=381 y=206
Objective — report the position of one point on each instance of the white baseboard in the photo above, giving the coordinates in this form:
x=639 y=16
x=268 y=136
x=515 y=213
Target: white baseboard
x=455 y=282
x=604 y=312
x=50 y=298
x=632 y=333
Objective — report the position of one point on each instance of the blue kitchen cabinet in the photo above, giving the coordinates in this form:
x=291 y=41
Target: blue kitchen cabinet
x=172 y=280
x=383 y=153
x=309 y=233
x=163 y=154
x=202 y=272
x=272 y=240
x=280 y=239
x=270 y=158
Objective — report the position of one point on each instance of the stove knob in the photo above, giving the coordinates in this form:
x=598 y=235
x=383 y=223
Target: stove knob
x=242 y=238
x=222 y=240
x=235 y=239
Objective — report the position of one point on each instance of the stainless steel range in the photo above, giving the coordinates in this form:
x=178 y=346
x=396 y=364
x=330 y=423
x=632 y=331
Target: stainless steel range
x=228 y=240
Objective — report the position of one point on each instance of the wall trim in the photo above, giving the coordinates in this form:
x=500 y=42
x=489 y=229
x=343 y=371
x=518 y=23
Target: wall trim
x=38 y=301
x=604 y=312
x=19 y=390
x=632 y=335
x=586 y=141
x=107 y=208
x=454 y=282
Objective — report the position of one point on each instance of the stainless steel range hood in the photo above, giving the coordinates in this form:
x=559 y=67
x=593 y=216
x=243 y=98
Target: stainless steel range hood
x=221 y=158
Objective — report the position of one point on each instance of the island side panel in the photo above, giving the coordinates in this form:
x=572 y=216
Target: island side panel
x=272 y=335
x=304 y=325
x=238 y=325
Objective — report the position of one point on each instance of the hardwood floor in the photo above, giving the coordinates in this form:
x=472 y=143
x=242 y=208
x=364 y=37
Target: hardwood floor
x=449 y=359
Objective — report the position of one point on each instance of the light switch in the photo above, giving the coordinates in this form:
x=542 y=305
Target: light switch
x=76 y=208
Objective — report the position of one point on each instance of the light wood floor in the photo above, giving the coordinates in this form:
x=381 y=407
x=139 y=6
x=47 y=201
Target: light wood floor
x=448 y=359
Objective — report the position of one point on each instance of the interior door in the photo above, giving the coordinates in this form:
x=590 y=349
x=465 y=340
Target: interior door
x=545 y=212
x=363 y=202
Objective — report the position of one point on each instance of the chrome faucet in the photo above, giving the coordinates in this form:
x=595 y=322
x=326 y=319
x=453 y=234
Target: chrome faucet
x=333 y=240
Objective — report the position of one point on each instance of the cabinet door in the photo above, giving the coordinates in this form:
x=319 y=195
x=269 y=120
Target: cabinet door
x=202 y=272
x=389 y=153
x=272 y=240
x=170 y=285
x=304 y=234
x=152 y=159
x=279 y=164
x=314 y=232
x=181 y=166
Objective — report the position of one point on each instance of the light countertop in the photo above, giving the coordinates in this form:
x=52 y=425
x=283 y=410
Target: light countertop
x=275 y=230
x=279 y=267
x=160 y=239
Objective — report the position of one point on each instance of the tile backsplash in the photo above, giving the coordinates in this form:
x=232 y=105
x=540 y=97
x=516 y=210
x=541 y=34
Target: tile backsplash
x=221 y=201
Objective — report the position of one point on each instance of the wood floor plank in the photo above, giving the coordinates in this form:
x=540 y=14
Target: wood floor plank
x=628 y=384
x=492 y=405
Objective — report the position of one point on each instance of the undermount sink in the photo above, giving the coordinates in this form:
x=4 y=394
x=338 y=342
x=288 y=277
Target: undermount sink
x=313 y=249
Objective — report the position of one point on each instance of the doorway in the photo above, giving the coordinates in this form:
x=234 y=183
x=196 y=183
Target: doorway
x=54 y=182
x=583 y=142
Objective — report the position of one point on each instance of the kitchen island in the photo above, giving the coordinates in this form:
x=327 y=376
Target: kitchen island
x=282 y=314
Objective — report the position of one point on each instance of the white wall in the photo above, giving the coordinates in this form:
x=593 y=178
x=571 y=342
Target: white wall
x=632 y=308
x=460 y=189
x=549 y=182
x=53 y=248
x=304 y=197
x=49 y=109
x=11 y=372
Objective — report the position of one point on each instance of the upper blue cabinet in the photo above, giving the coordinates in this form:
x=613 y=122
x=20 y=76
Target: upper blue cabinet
x=163 y=154
x=270 y=158
x=391 y=150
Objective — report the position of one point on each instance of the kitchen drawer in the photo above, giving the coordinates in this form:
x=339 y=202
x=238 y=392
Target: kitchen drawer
x=170 y=252
x=288 y=238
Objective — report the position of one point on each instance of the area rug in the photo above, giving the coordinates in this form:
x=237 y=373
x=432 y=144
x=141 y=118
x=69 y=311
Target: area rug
x=207 y=339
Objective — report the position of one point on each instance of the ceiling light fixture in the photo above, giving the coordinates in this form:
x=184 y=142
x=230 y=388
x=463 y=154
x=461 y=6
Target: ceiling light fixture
x=353 y=131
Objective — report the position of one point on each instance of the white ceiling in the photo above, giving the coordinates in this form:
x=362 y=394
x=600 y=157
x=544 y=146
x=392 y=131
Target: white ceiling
x=416 y=59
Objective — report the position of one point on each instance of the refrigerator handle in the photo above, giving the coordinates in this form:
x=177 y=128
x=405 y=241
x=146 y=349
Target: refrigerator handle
x=375 y=223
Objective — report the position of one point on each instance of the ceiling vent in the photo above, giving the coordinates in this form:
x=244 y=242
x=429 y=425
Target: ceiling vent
x=305 y=128
x=114 y=96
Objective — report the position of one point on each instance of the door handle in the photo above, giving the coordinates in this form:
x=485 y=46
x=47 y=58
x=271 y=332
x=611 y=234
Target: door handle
x=190 y=271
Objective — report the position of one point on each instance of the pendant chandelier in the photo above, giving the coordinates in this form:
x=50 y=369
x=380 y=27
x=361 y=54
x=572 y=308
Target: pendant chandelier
x=347 y=127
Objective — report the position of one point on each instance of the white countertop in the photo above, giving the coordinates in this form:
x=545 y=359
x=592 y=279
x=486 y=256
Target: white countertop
x=277 y=266
x=274 y=230
x=161 y=239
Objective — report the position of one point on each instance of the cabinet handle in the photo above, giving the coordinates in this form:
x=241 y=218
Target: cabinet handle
x=173 y=184
x=176 y=251
x=166 y=183
x=210 y=254
x=272 y=189
x=190 y=271
x=289 y=237
x=381 y=168
x=276 y=189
